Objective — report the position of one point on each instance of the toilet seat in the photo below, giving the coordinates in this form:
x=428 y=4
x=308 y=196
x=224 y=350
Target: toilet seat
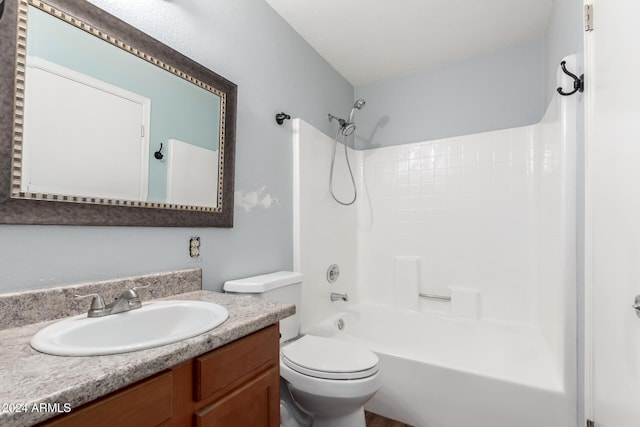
x=329 y=358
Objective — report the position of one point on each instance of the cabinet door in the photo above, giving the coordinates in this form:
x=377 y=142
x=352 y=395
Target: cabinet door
x=147 y=403
x=226 y=367
x=255 y=404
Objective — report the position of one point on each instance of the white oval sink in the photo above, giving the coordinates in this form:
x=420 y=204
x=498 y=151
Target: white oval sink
x=152 y=325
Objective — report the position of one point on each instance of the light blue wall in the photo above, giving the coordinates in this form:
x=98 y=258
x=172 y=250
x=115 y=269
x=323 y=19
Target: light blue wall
x=499 y=90
x=563 y=37
x=179 y=109
x=248 y=43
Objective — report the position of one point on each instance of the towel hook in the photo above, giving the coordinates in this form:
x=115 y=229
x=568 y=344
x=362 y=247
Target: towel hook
x=281 y=117
x=1 y=8
x=158 y=154
x=578 y=82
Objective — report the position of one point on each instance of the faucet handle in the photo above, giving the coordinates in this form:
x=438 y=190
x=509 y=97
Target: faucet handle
x=133 y=292
x=98 y=306
x=135 y=288
x=97 y=303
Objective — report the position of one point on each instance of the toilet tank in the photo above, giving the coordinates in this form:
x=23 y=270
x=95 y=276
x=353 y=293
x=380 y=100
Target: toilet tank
x=284 y=286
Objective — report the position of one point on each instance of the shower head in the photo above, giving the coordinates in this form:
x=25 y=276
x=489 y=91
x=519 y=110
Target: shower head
x=358 y=105
x=348 y=127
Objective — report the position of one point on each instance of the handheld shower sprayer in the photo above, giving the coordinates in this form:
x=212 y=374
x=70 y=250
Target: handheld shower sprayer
x=346 y=128
x=358 y=105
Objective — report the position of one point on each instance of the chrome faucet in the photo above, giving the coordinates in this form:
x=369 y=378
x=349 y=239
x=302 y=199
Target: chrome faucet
x=339 y=297
x=128 y=300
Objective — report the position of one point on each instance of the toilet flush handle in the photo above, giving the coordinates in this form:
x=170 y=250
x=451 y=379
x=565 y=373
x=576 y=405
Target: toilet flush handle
x=636 y=305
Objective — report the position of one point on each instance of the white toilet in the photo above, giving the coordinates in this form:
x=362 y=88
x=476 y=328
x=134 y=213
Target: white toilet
x=329 y=380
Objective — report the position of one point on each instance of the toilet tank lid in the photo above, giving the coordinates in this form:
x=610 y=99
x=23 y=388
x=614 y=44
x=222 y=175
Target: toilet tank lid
x=263 y=283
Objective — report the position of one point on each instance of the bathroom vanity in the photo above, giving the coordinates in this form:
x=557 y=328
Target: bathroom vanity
x=226 y=376
x=235 y=385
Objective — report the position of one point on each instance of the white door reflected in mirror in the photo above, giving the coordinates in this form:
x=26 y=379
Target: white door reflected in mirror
x=95 y=112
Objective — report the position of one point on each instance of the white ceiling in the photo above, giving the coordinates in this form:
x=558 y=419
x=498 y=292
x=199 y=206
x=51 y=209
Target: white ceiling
x=370 y=40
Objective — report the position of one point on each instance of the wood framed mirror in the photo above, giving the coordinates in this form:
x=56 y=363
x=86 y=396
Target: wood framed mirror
x=101 y=124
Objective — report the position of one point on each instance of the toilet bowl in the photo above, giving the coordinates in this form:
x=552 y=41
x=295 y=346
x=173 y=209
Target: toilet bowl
x=329 y=379
x=325 y=382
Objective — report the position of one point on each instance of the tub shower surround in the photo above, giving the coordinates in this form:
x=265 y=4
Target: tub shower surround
x=484 y=223
x=29 y=379
x=457 y=207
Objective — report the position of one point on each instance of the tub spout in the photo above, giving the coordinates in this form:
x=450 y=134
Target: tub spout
x=339 y=297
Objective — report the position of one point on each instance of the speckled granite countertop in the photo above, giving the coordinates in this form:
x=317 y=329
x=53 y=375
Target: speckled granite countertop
x=29 y=378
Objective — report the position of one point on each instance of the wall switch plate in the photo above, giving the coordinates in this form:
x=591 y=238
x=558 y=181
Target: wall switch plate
x=194 y=247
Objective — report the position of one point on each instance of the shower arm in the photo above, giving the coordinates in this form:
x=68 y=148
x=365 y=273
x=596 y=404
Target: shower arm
x=342 y=122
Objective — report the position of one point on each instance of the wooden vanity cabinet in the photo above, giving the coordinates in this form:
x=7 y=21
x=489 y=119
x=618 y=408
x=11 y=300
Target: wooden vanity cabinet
x=146 y=403
x=235 y=385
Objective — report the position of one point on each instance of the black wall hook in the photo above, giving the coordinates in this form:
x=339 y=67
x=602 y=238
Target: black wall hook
x=1 y=8
x=578 y=82
x=281 y=117
x=158 y=154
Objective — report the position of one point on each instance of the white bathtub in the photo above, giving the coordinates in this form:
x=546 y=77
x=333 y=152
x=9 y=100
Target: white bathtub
x=442 y=372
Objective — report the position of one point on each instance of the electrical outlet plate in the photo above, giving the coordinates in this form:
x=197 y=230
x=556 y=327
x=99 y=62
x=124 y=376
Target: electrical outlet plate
x=194 y=247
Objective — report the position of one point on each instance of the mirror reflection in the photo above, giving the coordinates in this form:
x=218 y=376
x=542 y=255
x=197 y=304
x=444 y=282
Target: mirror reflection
x=103 y=123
